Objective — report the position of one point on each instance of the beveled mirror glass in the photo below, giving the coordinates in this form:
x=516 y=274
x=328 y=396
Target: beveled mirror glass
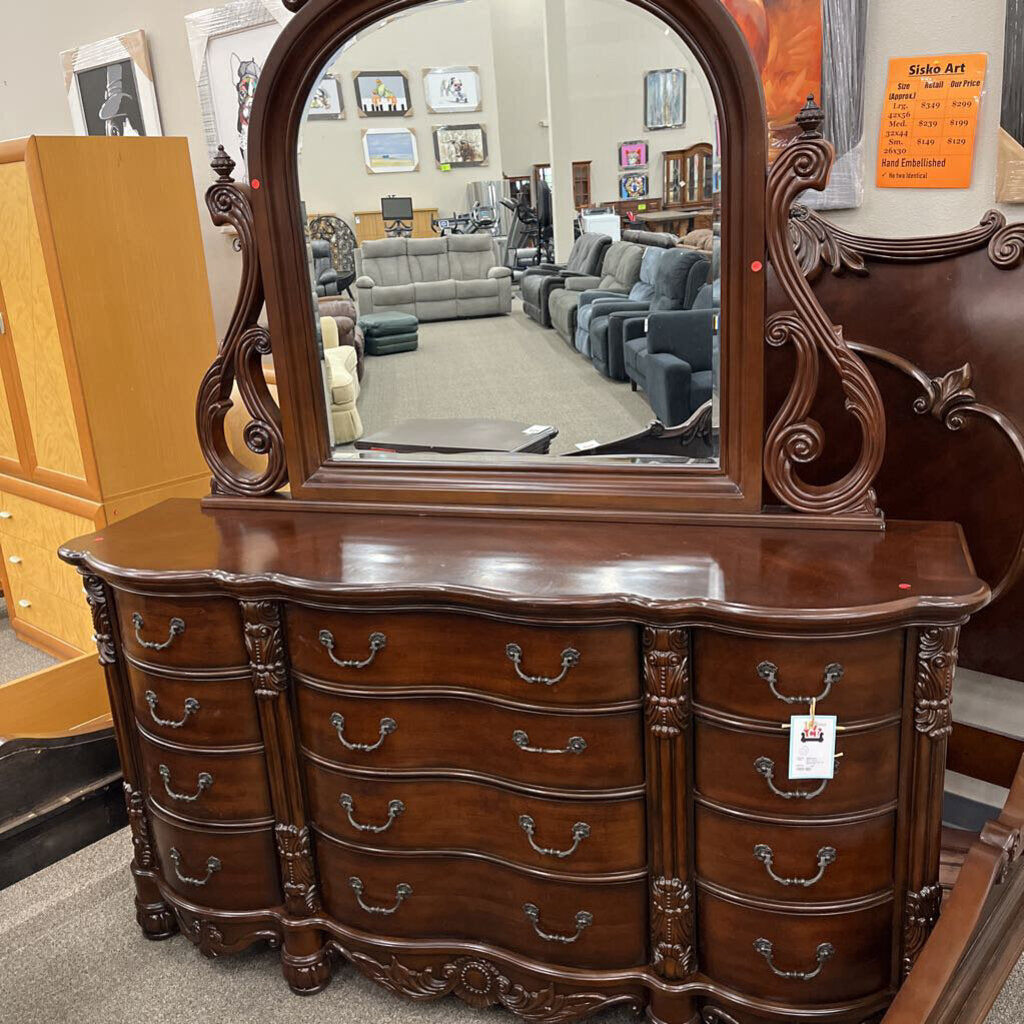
x=473 y=178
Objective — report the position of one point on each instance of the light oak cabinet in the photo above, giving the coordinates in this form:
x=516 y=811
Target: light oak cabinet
x=106 y=331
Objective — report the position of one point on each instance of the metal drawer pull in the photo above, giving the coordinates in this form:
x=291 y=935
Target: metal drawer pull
x=826 y=855
x=769 y=672
x=387 y=727
x=191 y=707
x=212 y=867
x=395 y=808
x=584 y=920
x=576 y=745
x=177 y=628
x=204 y=781
x=15 y=559
x=822 y=955
x=23 y=603
x=570 y=659
x=6 y=515
x=580 y=831
x=402 y=892
x=378 y=641
x=766 y=766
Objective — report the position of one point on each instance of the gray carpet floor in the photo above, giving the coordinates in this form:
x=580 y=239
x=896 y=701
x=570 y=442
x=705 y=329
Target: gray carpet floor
x=506 y=368
x=18 y=659
x=70 y=952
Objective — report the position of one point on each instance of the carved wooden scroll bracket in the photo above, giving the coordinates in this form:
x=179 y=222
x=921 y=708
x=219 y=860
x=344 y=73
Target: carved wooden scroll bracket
x=240 y=360
x=795 y=439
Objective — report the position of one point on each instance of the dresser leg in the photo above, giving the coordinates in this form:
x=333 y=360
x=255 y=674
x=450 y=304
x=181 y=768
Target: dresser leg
x=155 y=917
x=665 y=1008
x=305 y=962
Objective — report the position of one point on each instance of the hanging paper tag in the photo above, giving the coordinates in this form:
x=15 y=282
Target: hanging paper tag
x=812 y=746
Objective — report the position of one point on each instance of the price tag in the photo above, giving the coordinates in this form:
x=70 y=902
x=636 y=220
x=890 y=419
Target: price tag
x=585 y=445
x=537 y=428
x=812 y=746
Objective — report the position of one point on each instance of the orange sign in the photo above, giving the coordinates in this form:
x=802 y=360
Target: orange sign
x=929 y=121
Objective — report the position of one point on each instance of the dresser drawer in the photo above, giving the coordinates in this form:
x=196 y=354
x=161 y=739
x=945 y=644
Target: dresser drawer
x=749 y=771
x=796 y=863
x=36 y=523
x=593 y=836
x=218 y=868
x=64 y=620
x=459 y=898
x=195 y=711
x=182 y=632
x=592 y=665
x=207 y=786
x=30 y=567
x=594 y=751
x=852 y=949
x=737 y=674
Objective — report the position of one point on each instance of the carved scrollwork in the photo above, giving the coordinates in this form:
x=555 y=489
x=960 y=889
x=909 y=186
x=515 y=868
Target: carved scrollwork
x=713 y=1015
x=666 y=681
x=793 y=438
x=1006 y=249
x=672 y=926
x=141 y=841
x=299 y=875
x=96 y=595
x=211 y=941
x=264 y=640
x=240 y=359
x=481 y=984
x=933 y=685
x=817 y=243
x=920 y=913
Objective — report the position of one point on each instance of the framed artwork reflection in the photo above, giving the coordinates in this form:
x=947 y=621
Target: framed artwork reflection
x=390 y=151
x=327 y=102
x=632 y=155
x=110 y=87
x=460 y=145
x=382 y=94
x=634 y=186
x=452 y=90
x=665 y=99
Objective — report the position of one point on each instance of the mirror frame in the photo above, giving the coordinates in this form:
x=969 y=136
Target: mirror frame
x=561 y=487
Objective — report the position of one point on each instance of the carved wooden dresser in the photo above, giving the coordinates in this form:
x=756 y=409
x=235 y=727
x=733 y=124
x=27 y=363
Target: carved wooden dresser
x=518 y=728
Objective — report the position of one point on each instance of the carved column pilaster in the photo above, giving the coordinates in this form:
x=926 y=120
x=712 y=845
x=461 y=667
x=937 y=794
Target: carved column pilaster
x=933 y=722
x=154 y=916
x=667 y=715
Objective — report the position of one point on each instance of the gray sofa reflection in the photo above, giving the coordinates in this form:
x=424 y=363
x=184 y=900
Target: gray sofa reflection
x=537 y=283
x=433 y=278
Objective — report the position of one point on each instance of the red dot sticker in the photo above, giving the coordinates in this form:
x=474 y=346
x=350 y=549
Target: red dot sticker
x=256 y=183
x=757 y=266
x=904 y=586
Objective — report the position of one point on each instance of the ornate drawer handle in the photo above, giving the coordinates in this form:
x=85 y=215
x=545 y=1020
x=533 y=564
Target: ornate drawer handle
x=584 y=920
x=576 y=745
x=395 y=808
x=212 y=867
x=177 y=628
x=402 y=892
x=826 y=855
x=204 y=781
x=822 y=955
x=387 y=727
x=378 y=641
x=191 y=707
x=769 y=672
x=580 y=831
x=570 y=659
x=766 y=766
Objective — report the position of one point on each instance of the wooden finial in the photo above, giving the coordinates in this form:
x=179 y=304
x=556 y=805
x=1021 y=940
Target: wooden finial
x=223 y=165
x=810 y=119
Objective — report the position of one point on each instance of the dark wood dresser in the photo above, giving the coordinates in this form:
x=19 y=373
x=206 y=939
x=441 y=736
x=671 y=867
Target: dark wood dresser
x=539 y=766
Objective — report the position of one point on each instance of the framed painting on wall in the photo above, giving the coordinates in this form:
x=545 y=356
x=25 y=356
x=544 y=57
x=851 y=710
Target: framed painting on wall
x=390 y=151
x=382 y=94
x=634 y=186
x=665 y=99
x=229 y=46
x=452 y=90
x=1010 y=165
x=460 y=145
x=110 y=87
x=632 y=155
x=327 y=102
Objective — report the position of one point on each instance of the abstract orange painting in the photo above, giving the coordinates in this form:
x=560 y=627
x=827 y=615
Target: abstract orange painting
x=785 y=37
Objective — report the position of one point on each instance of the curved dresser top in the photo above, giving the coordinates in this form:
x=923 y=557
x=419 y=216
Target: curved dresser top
x=715 y=573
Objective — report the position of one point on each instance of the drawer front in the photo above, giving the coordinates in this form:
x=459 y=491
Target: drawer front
x=418 y=814
x=42 y=525
x=217 y=868
x=590 y=751
x=750 y=771
x=460 y=898
x=207 y=787
x=592 y=664
x=853 y=951
x=30 y=567
x=196 y=712
x=187 y=633
x=71 y=623
x=796 y=863
x=737 y=674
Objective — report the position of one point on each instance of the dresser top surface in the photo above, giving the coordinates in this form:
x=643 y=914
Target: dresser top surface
x=909 y=572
